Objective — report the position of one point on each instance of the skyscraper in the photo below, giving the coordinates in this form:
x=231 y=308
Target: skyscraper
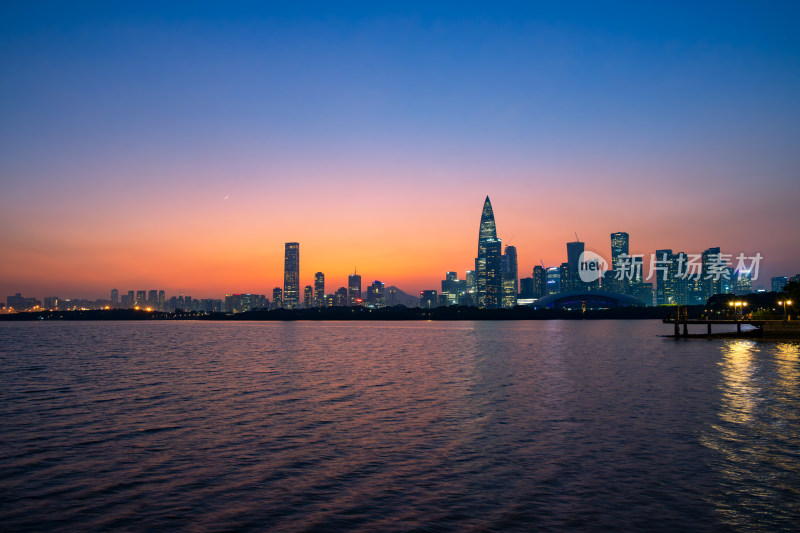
x=291 y=276
x=277 y=298
x=620 y=245
x=574 y=251
x=539 y=282
x=115 y=296
x=778 y=283
x=666 y=277
x=375 y=294
x=319 y=289
x=510 y=276
x=710 y=283
x=488 y=264
x=354 y=289
x=340 y=297
x=308 y=297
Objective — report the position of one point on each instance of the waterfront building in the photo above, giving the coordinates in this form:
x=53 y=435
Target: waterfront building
x=114 y=296
x=526 y=290
x=665 y=277
x=291 y=276
x=375 y=294
x=563 y=274
x=510 y=277
x=539 y=287
x=553 y=280
x=354 y=289
x=709 y=283
x=778 y=283
x=277 y=298
x=742 y=282
x=319 y=289
x=488 y=264
x=574 y=251
x=620 y=247
x=308 y=297
x=340 y=297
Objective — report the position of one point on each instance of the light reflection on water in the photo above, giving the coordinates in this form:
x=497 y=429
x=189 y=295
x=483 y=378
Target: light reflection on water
x=756 y=436
x=499 y=426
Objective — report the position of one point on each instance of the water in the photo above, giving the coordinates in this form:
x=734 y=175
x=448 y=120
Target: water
x=421 y=426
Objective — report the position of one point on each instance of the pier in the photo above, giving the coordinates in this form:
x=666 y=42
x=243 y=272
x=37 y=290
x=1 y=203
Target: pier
x=780 y=328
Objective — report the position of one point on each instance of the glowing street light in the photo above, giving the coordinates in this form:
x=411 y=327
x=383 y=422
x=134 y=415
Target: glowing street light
x=738 y=305
x=784 y=303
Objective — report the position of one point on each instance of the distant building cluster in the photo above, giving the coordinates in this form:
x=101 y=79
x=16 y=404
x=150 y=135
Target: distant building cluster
x=493 y=283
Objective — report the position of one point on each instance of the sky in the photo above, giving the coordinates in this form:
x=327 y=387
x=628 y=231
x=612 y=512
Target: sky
x=179 y=147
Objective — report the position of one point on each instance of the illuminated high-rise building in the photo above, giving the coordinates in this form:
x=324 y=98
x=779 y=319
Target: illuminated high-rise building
x=277 y=298
x=510 y=277
x=710 y=282
x=620 y=245
x=472 y=286
x=375 y=294
x=778 y=283
x=488 y=264
x=141 y=297
x=308 y=297
x=539 y=282
x=354 y=289
x=319 y=289
x=340 y=297
x=114 y=296
x=666 y=277
x=291 y=276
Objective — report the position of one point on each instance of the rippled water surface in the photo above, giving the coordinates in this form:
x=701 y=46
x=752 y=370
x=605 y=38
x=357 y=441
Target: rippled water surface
x=420 y=426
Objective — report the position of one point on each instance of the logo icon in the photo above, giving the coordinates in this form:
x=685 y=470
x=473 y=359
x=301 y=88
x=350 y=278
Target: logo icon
x=591 y=267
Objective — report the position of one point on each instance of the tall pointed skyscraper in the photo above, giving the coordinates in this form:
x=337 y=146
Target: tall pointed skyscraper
x=488 y=264
x=291 y=276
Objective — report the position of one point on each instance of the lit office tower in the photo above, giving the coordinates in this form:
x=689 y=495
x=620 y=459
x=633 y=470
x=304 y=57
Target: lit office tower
x=340 y=297
x=277 y=298
x=319 y=289
x=141 y=297
x=778 y=283
x=574 y=251
x=539 y=282
x=710 y=286
x=308 y=297
x=510 y=277
x=291 y=276
x=666 y=276
x=488 y=264
x=115 y=296
x=620 y=245
x=354 y=289
x=375 y=294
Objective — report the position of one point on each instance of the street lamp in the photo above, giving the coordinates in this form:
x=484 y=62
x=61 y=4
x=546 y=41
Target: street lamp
x=784 y=304
x=737 y=305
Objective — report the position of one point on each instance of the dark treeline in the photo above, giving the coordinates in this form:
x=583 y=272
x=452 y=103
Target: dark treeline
x=360 y=313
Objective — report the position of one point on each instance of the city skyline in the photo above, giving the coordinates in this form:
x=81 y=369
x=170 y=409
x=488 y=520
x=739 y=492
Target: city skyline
x=170 y=149
x=677 y=279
